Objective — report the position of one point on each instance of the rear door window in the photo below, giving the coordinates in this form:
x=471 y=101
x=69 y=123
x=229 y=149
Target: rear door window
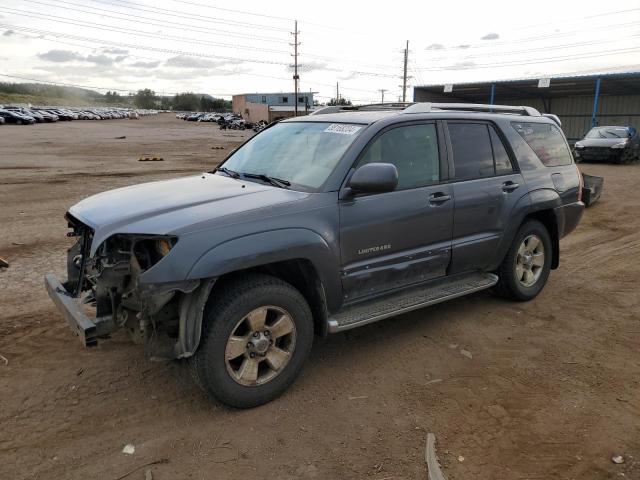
x=546 y=141
x=472 y=152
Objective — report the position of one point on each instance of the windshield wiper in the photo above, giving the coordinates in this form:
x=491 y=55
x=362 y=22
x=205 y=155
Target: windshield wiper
x=276 y=182
x=231 y=173
x=614 y=134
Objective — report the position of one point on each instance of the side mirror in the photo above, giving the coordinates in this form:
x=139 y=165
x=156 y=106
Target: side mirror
x=374 y=178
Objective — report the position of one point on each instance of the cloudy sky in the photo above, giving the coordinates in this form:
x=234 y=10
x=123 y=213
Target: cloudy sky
x=222 y=48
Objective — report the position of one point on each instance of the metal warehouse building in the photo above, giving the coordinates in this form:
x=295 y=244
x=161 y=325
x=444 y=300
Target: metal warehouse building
x=580 y=101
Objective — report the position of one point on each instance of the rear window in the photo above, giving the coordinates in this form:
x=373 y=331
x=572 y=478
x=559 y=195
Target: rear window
x=546 y=141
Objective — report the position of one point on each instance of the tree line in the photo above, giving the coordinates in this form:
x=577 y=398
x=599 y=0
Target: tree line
x=187 y=101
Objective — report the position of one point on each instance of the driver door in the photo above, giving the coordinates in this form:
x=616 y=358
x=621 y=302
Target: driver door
x=394 y=239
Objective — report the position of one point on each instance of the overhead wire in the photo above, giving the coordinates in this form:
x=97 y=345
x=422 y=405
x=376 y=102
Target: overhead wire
x=101 y=26
x=151 y=21
x=199 y=17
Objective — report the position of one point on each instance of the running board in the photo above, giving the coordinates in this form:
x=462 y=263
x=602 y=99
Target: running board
x=410 y=299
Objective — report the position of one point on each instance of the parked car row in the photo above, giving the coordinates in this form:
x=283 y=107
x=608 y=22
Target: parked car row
x=201 y=116
x=28 y=116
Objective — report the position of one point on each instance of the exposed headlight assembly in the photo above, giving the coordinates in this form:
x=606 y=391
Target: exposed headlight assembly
x=620 y=145
x=150 y=250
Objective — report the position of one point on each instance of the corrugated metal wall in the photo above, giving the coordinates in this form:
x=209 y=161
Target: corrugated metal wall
x=574 y=111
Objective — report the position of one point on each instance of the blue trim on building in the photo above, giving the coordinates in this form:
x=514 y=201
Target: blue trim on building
x=596 y=98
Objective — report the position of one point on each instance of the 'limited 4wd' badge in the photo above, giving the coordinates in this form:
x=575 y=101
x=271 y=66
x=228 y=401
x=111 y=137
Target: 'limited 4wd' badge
x=379 y=248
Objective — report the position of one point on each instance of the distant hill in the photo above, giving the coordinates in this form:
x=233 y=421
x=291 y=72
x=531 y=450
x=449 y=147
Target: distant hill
x=43 y=94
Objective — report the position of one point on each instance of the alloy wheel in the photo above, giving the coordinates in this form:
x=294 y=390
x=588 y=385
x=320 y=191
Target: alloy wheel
x=530 y=260
x=260 y=346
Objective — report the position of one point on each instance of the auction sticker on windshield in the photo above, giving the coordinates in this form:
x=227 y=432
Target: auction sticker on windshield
x=342 y=128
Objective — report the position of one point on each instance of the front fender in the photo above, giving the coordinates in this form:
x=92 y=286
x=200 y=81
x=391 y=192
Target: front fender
x=269 y=247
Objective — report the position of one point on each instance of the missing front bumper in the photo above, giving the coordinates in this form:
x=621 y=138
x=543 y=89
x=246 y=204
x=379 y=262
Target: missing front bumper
x=86 y=329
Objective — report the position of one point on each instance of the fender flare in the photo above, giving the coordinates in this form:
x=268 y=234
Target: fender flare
x=545 y=199
x=269 y=247
x=252 y=251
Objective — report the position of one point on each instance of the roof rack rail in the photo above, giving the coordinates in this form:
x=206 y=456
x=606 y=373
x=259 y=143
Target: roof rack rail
x=372 y=107
x=427 y=107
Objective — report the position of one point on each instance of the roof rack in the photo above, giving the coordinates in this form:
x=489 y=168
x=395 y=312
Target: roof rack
x=427 y=107
x=372 y=107
x=471 y=107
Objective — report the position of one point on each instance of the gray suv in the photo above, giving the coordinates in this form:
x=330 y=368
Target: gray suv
x=320 y=224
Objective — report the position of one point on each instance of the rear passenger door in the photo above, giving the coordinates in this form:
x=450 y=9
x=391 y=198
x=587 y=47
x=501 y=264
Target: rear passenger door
x=486 y=187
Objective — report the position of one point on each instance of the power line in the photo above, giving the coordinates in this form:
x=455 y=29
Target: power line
x=111 y=43
x=532 y=38
x=134 y=46
x=588 y=17
x=535 y=61
x=151 y=21
x=190 y=16
x=244 y=12
x=171 y=24
x=547 y=48
x=100 y=26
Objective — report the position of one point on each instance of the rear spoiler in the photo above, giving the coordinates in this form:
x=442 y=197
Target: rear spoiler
x=553 y=117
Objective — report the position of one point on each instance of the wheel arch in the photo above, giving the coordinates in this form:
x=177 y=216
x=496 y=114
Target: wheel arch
x=541 y=205
x=297 y=256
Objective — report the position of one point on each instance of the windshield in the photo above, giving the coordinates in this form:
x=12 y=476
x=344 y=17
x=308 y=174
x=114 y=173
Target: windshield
x=608 y=132
x=302 y=153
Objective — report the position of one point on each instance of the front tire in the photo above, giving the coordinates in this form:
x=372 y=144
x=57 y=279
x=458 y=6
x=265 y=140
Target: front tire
x=526 y=267
x=257 y=333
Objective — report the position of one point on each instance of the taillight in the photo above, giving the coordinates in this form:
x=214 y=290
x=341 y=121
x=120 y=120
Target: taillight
x=580 y=185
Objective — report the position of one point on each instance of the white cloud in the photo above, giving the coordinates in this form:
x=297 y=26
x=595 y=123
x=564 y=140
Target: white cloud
x=60 y=56
x=490 y=36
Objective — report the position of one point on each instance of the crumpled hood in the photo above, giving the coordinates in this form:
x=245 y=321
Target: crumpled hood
x=174 y=206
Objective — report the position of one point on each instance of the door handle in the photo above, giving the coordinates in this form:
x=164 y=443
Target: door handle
x=509 y=186
x=438 y=198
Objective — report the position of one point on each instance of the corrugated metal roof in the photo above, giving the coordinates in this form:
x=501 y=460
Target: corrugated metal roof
x=626 y=83
x=584 y=76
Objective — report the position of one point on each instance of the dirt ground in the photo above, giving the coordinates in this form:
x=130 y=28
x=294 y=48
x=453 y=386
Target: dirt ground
x=551 y=389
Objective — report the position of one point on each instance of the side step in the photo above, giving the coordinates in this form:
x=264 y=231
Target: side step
x=410 y=299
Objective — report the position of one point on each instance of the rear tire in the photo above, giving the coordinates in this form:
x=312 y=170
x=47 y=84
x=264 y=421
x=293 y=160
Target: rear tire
x=244 y=366
x=526 y=267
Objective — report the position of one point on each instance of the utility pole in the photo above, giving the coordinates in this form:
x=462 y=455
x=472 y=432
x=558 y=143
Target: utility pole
x=296 y=77
x=404 y=76
x=337 y=94
x=382 y=90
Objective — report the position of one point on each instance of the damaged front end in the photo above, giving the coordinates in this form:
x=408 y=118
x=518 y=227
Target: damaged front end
x=109 y=283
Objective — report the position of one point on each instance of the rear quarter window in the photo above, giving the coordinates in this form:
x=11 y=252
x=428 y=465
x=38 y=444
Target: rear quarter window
x=546 y=141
